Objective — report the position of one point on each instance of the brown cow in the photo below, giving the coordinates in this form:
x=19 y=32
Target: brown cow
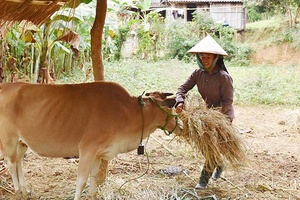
x=95 y=121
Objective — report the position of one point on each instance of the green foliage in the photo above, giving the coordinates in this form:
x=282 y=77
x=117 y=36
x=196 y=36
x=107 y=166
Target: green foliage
x=224 y=36
x=42 y=47
x=15 y=51
x=255 y=13
x=113 y=50
x=145 y=42
x=267 y=85
x=282 y=6
x=14 y=41
x=179 y=40
x=296 y=42
x=273 y=85
x=274 y=22
x=120 y=39
x=289 y=8
x=239 y=54
x=143 y=5
x=158 y=39
x=202 y=23
x=183 y=36
x=150 y=33
x=272 y=35
x=287 y=36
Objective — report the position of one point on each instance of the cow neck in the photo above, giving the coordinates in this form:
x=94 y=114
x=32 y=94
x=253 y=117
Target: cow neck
x=169 y=115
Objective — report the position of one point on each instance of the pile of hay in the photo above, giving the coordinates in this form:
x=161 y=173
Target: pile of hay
x=211 y=134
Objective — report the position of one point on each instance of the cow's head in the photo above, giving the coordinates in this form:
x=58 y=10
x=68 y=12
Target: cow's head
x=162 y=97
x=166 y=104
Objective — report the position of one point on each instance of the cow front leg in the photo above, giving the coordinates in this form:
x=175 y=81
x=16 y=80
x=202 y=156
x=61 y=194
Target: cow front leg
x=21 y=150
x=9 y=151
x=12 y=167
x=84 y=168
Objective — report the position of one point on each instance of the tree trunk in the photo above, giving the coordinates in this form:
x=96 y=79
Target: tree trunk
x=96 y=40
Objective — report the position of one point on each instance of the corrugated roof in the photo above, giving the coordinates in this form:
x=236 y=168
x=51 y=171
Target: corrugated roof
x=36 y=11
x=203 y=1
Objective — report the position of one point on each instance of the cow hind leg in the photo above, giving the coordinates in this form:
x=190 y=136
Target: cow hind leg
x=98 y=175
x=102 y=172
x=93 y=178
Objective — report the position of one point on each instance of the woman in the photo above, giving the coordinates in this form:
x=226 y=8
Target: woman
x=214 y=85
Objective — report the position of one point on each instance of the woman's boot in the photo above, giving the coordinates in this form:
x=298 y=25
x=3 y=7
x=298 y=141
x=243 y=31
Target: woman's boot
x=203 y=181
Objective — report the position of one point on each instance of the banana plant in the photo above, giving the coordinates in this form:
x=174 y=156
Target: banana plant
x=149 y=30
x=12 y=48
x=117 y=28
x=56 y=42
x=37 y=47
x=64 y=37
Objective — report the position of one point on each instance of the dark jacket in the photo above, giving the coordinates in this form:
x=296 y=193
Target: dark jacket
x=216 y=89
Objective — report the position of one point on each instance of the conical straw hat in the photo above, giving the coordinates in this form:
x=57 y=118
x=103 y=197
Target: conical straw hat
x=208 y=45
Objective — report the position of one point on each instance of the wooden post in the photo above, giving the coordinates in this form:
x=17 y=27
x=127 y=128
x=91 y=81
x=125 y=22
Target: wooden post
x=96 y=40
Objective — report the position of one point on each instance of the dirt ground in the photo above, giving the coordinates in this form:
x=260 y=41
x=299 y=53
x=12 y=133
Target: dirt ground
x=272 y=135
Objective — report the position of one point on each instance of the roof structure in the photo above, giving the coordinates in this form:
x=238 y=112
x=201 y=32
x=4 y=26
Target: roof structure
x=36 y=11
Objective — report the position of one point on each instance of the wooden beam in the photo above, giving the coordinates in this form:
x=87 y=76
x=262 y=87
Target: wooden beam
x=96 y=40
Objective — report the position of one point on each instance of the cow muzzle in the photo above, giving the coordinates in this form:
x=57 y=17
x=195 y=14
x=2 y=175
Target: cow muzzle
x=169 y=117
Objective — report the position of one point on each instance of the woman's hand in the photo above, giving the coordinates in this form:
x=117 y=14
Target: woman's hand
x=179 y=107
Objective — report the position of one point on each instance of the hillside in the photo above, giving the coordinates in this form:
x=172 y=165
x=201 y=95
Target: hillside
x=272 y=44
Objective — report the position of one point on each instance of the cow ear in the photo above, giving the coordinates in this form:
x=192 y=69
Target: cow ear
x=170 y=103
x=158 y=95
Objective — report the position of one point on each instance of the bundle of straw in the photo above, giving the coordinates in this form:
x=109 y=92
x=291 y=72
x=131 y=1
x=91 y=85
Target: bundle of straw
x=211 y=134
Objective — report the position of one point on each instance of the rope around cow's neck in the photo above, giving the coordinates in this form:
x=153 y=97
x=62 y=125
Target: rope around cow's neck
x=169 y=115
x=142 y=104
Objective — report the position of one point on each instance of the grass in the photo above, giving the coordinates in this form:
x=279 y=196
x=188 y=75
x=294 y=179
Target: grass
x=273 y=31
x=266 y=85
x=273 y=22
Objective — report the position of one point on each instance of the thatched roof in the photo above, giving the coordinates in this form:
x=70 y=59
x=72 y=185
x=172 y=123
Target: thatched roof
x=36 y=11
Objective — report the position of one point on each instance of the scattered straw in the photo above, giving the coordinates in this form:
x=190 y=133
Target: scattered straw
x=211 y=134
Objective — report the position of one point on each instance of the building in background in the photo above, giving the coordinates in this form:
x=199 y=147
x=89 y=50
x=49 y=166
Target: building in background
x=228 y=12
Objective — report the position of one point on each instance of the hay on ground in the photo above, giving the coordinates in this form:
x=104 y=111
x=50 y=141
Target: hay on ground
x=211 y=134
